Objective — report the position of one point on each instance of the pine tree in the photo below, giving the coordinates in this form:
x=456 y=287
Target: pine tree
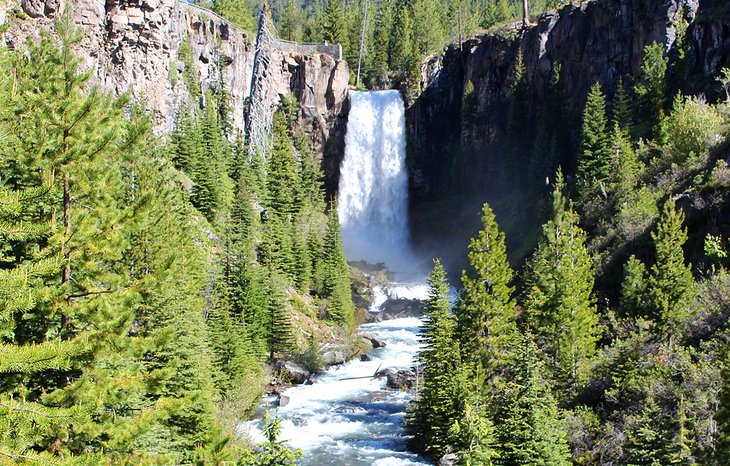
x=651 y=91
x=486 y=312
x=428 y=30
x=378 y=66
x=625 y=166
x=529 y=430
x=722 y=445
x=401 y=36
x=334 y=28
x=335 y=273
x=435 y=410
x=594 y=162
x=671 y=285
x=282 y=182
x=622 y=114
x=648 y=436
x=634 y=288
x=559 y=302
x=280 y=335
x=290 y=24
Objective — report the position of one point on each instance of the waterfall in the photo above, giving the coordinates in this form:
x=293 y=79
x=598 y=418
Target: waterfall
x=373 y=190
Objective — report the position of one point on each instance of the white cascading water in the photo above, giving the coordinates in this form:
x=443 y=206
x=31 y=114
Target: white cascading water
x=373 y=190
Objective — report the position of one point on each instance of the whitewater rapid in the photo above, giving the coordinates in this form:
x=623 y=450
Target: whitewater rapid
x=357 y=422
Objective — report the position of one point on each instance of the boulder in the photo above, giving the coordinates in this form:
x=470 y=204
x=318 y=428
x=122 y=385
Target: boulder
x=292 y=372
x=364 y=357
x=375 y=341
x=398 y=379
x=334 y=357
x=282 y=400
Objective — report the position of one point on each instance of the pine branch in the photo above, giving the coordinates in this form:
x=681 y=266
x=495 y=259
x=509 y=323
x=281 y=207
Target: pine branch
x=17 y=456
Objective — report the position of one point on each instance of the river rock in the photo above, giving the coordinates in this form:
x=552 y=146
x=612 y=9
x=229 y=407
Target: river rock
x=376 y=342
x=282 y=400
x=365 y=357
x=334 y=357
x=293 y=372
x=398 y=379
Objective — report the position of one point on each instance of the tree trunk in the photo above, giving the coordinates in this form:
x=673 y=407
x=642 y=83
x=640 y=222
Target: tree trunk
x=525 y=15
x=66 y=277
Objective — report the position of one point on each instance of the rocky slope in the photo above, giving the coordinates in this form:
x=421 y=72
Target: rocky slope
x=458 y=164
x=141 y=46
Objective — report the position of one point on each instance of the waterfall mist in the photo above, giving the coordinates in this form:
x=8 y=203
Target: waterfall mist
x=373 y=190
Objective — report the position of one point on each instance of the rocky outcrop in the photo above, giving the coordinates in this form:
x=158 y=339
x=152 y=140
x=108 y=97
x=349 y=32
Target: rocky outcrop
x=157 y=49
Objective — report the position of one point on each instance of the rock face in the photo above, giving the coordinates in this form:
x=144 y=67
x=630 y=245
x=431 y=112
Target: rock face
x=468 y=157
x=144 y=47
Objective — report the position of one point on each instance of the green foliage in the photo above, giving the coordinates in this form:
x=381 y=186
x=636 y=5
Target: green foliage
x=651 y=91
x=670 y=283
x=634 y=288
x=559 y=302
x=333 y=24
x=243 y=14
x=594 y=161
x=274 y=452
x=436 y=408
x=335 y=273
x=529 y=429
x=694 y=126
x=486 y=312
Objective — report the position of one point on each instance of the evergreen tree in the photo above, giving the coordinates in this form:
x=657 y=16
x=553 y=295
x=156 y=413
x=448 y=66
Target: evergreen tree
x=634 y=288
x=428 y=30
x=529 y=430
x=722 y=448
x=401 y=36
x=334 y=29
x=651 y=91
x=622 y=114
x=239 y=12
x=280 y=336
x=486 y=312
x=290 y=25
x=626 y=167
x=282 y=182
x=336 y=274
x=378 y=67
x=559 y=304
x=648 y=436
x=435 y=410
x=670 y=284
x=594 y=162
